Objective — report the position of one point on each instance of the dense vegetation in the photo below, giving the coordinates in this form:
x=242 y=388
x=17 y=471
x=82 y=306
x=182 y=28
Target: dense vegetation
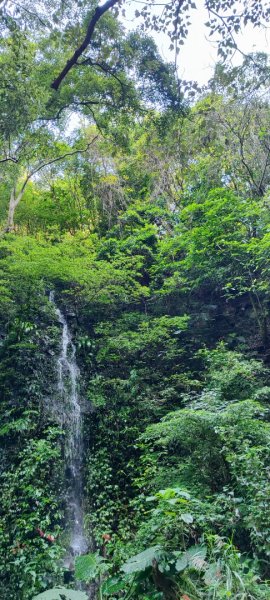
x=150 y=220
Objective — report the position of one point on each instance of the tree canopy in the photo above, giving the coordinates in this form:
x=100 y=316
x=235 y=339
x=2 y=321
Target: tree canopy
x=134 y=322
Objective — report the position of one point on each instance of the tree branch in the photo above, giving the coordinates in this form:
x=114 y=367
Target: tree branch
x=100 y=10
x=105 y=68
x=8 y=159
x=71 y=104
x=57 y=159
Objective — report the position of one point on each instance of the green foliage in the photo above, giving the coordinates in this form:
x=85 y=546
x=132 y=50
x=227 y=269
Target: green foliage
x=214 y=569
x=216 y=439
x=19 y=100
x=31 y=464
x=155 y=241
x=142 y=561
x=28 y=503
x=87 y=567
x=62 y=208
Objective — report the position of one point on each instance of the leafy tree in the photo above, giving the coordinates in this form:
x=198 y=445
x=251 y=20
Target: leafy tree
x=150 y=225
x=175 y=18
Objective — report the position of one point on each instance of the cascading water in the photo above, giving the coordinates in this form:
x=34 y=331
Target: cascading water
x=69 y=413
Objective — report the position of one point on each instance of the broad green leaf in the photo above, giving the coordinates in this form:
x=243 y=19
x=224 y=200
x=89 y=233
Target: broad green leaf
x=112 y=585
x=167 y=493
x=181 y=563
x=142 y=561
x=187 y=518
x=87 y=566
x=182 y=493
x=194 y=557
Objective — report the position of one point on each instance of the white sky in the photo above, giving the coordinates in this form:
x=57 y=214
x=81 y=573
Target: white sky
x=198 y=55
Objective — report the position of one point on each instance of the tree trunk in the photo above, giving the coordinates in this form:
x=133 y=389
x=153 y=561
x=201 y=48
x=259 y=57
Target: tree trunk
x=13 y=203
x=11 y=210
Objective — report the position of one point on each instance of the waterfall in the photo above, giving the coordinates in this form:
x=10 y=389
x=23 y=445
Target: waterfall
x=68 y=408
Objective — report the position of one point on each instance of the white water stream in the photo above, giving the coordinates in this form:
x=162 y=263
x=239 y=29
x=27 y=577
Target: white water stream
x=68 y=408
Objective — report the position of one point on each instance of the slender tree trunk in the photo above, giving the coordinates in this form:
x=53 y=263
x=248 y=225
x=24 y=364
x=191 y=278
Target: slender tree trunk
x=11 y=211
x=261 y=319
x=13 y=203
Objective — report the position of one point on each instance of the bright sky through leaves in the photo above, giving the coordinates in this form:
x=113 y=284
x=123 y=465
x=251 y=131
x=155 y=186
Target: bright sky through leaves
x=198 y=55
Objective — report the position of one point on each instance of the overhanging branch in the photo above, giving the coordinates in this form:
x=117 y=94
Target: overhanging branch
x=100 y=10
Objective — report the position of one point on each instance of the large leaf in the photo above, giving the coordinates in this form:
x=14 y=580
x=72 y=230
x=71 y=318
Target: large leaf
x=194 y=557
x=187 y=518
x=61 y=594
x=112 y=586
x=142 y=561
x=169 y=493
x=87 y=567
x=181 y=563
